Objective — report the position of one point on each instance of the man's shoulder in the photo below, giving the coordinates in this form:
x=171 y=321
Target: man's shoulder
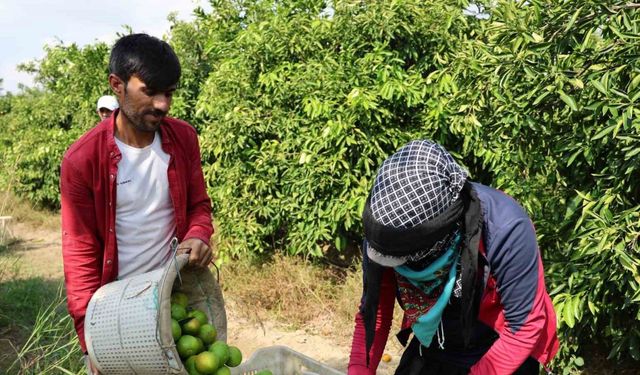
x=88 y=143
x=180 y=126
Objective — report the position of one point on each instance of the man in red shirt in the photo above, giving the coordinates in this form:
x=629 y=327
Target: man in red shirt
x=133 y=182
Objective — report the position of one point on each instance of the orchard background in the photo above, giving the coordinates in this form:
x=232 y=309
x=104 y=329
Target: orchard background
x=298 y=102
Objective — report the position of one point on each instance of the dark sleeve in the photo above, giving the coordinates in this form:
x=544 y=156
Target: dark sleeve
x=515 y=262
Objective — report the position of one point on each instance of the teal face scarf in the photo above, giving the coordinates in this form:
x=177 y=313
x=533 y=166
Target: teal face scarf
x=427 y=280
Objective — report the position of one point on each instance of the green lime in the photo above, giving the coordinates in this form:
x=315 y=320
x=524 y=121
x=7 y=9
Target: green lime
x=207 y=333
x=262 y=372
x=188 y=345
x=200 y=345
x=223 y=371
x=200 y=315
x=207 y=363
x=191 y=327
x=176 y=331
x=178 y=312
x=180 y=299
x=221 y=350
x=235 y=357
x=190 y=366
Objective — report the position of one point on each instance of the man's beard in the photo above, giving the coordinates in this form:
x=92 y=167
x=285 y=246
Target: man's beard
x=137 y=119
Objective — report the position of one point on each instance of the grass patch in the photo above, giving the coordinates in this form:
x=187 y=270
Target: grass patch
x=21 y=300
x=32 y=317
x=22 y=211
x=52 y=346
x=294 y=292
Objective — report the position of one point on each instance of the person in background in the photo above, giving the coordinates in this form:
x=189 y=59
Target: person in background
x=462 y=260
x=133 y=182
x=106 y=105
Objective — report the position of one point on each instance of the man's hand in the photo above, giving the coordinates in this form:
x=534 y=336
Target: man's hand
x=199 y=253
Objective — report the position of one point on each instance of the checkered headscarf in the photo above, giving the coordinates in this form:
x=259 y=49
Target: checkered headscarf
x=414 y=185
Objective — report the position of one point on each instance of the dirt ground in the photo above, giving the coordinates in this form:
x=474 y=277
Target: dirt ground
x=39 y=252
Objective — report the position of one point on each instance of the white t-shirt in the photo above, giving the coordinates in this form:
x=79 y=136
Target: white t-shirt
x=145 y=220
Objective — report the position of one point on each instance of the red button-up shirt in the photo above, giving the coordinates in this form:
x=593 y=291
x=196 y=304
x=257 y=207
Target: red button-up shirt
x=88 y=196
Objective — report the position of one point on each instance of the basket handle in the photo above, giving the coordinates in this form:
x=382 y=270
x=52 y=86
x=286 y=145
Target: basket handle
x=173 y=246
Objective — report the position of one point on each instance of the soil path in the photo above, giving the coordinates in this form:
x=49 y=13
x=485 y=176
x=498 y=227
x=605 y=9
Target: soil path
x=39 y=252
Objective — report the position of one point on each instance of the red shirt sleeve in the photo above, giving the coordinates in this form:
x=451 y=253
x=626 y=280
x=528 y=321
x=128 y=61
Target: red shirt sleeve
x=358 y=359
x=519 y=273
x=513 y=348
x=81 y=250
x=198 y=203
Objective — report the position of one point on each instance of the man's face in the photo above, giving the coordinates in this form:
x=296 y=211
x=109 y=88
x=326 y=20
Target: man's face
x=104 y=113
x=145 y=108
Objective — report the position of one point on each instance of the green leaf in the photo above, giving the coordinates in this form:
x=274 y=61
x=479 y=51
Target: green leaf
x=573 y=157
x=567 y=314
x=569 y=100
x=577 y=307
x=572 y=207
x=572 y=20
x=627 y=262
x=557 y=289
x=537 y=38
x=577 y=83
x=541 y=97
x=340 y=243
x=599 y=86
x=634 y=83
x=629 y=155
x=603 y=132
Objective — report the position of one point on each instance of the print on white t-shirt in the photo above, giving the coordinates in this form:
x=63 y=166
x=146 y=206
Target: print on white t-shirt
x=145 y=221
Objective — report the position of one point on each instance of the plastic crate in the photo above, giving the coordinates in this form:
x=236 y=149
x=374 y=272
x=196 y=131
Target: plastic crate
x=282 y=360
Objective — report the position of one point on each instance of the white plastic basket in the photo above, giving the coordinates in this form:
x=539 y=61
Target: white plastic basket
x=128 y=322
x=282 y=360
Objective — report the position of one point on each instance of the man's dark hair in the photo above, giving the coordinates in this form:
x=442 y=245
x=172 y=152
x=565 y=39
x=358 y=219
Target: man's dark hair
x=147 y=57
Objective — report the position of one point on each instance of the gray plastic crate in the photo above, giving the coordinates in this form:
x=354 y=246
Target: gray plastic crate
x=282 y=360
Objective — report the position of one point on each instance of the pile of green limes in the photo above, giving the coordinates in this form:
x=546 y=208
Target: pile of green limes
x=195 y=339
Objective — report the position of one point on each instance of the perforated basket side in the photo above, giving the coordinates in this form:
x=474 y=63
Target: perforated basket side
x=121 y=326
x=125 y=326
x=282 y=360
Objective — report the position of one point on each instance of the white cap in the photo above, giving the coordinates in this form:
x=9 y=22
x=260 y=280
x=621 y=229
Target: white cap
x=108 y=102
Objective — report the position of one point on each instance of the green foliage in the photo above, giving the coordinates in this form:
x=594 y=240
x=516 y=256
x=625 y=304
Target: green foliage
x=553 y=87
x=40 y=124
x=188 y=43
x=301 y=107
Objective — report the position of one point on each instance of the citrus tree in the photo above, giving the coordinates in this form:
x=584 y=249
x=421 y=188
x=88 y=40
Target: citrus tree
x=42 y=122
x=551 y=89
x=304 y=101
